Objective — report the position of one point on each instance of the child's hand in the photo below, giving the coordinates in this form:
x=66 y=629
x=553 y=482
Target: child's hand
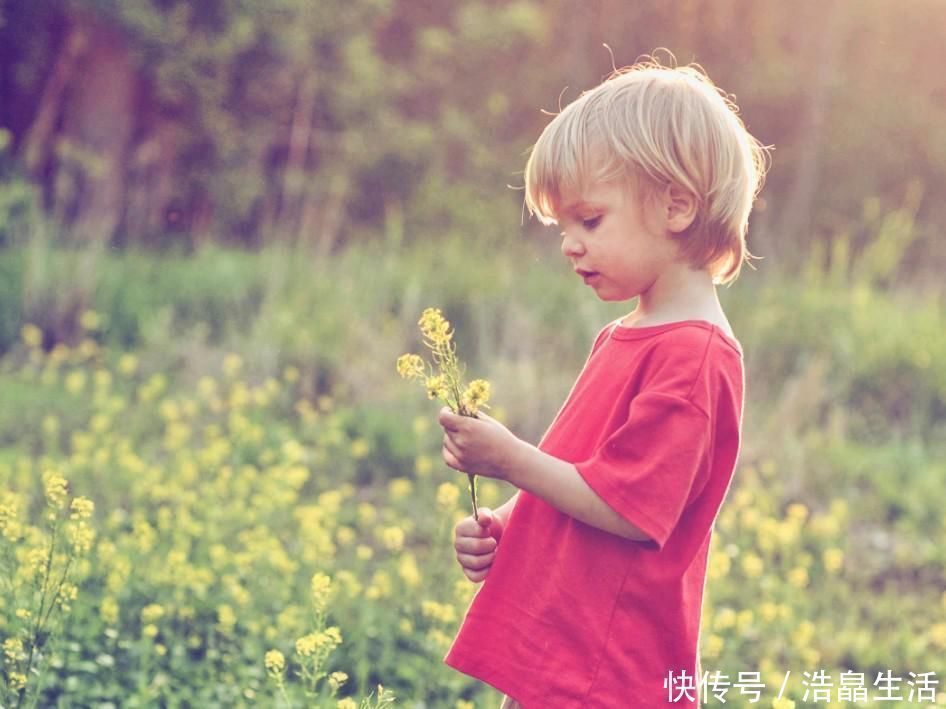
x=476 y=542
x=479 y=446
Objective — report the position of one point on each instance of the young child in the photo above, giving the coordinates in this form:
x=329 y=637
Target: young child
x=594 y=571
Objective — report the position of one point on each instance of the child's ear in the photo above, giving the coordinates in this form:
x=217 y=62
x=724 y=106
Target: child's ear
x=680 y=207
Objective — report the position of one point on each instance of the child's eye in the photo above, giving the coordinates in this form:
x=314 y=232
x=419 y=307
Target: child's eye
x=591 y=223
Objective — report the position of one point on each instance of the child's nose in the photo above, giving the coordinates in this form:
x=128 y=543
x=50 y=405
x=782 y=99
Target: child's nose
x=571 y=248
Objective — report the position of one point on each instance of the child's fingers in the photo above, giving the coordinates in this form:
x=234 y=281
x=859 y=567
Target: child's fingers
x=474 y=545
x=476 y=562
x=476 y=576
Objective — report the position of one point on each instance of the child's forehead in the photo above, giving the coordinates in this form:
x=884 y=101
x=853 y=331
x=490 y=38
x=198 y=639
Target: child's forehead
x=593 y=195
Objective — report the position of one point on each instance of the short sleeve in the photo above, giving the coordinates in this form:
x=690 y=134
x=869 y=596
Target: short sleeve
x=646 y=468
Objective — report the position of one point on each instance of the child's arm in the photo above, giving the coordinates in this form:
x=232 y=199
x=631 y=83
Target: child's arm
x=561 y=485
x=504 y=510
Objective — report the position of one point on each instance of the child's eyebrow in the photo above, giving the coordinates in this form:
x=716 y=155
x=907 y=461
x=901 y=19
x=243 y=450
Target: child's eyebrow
x=580 y=204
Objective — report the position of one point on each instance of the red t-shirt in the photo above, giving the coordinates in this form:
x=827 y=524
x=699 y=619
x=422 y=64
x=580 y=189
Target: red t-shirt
x=571 y=616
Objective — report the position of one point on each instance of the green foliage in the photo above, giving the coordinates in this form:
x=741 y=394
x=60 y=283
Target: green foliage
x=246 y=428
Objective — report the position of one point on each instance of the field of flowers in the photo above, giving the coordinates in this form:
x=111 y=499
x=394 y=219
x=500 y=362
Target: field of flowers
x=195 y=521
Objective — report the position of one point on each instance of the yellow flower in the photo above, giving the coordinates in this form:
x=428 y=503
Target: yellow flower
x=128 y=364
x=232 y=364
x=833 y=558
x=109 y=610
x=752 y=565
x=399 y=488
x=408 y=570
x=82 y=508
x=55 y=488
x=410 y=366
x=434 y=326
x=226 y=617
x=307 y=645
x=447 y=495
x=346 y=703
x=75 y=382
x=725 y=618
x=152 y=613
x=476 y=395
x=438 y=611
x=275 y=662
x=797 y=511
x=798 y=576
x=360 y=448
x=321 y=586
x=150 y=630
x=783 y=704
x=337 y=679
x=17 y=681
x=13 y=650
x=31 y=335
x=423 y=465
x=712 y=646
x=437 y=387
x=392 y=538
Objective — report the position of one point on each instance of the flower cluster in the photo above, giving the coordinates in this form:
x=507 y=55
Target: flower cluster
x=445 y=383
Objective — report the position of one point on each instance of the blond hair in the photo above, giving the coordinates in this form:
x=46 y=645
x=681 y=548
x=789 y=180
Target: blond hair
x=654 y=125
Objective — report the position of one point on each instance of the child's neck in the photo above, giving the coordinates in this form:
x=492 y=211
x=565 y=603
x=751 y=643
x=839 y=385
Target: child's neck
x=678 y=294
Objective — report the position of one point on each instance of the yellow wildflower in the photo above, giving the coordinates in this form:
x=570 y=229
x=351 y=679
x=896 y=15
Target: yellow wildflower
x=275 y=662
x=82 y=508
x=437 y=387
x=321 y=586
x=346 y=703
x=447 y=495
x=833 y=558
x=55 y=489
x=337 y=679
x=90 y=320
x=476 y=395
x=31 y=335
x=152 y=613
x=434 y=326
x=410 y=366
x=392 y=538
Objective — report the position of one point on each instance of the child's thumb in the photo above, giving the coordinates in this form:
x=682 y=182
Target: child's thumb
x=490 y=522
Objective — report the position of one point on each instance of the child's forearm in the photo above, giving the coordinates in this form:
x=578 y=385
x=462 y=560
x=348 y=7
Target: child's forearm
x=561 y=485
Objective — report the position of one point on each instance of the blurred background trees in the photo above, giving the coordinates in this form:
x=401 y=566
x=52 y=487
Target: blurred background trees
x=161 y=123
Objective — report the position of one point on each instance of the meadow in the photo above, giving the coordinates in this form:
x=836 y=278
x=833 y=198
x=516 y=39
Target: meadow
x=215 y=491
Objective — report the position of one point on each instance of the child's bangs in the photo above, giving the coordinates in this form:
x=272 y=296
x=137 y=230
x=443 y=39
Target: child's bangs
x=563 y=162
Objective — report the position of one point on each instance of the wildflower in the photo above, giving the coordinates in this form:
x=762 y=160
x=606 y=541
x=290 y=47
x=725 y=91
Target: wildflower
x=307 y=645
x=127 y=364
x=321 y=586
x=275 y=662
x=476 y=395
x=447 y=495
x=90 y=320
x=410 y=366
x=437 y=387
x=31 y=335
x=151 y=613
x=752 y=565
x=833 y=558
x=82 y=508
x=337 y=679
x=346 y=703
x=445 y=385
x=55 y=490
x=232 y=364
x=392 y=538
x=13 y=650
